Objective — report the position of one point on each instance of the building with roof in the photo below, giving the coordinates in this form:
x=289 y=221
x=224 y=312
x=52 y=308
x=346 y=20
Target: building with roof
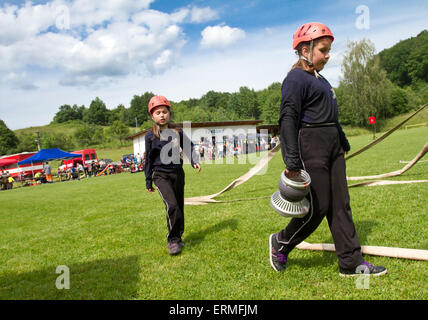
x=244 y=134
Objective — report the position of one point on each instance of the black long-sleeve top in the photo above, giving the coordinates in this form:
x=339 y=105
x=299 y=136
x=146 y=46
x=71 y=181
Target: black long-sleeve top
x=165 y=154
x=305 y=99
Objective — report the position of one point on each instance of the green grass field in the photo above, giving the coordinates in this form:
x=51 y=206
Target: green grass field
x=110 y=233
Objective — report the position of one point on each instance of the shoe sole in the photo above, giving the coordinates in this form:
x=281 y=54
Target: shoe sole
x=345 y=275
x=270 y=253
x=174 y=253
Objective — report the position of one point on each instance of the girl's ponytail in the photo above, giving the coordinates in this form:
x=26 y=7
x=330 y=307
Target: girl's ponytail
x=301 y=64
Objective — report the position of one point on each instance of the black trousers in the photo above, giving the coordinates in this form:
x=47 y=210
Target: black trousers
x=323 y=158
x=171 y=189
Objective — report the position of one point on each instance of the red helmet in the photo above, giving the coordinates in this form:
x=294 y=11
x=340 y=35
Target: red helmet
x=311 y=31
x=157 y=101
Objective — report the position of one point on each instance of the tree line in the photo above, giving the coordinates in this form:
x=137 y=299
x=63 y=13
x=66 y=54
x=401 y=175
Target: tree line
x=383 y=85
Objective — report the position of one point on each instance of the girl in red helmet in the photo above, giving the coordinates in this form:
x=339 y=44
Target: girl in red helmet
x=164 y=166
x=312 y=139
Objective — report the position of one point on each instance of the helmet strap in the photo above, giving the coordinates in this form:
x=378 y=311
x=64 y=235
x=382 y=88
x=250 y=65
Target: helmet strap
x=309 y=61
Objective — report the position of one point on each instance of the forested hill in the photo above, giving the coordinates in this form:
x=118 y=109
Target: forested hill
x=406 y=63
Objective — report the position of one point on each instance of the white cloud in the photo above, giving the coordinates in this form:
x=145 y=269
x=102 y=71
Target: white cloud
x=19 y=81
x=164 y=61
x=220 y=36
x=156 y=19
x=95 y=12
x=202 y=14
x=17 y=23
x=100 y=39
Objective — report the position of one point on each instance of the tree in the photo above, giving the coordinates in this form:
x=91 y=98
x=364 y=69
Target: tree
x=199 y=114
x=118 y=130
x=27 y=142
x=138 y=109
x=417 y=64
x=213 y=100
x=97 y=113
x=67 y=113
x=406 y=62
x=8 y=139
x=398 y=101
x=120 y=113
x=244 y=103
x=56 y=140
x=269 y=101
x=85 y=135
x=363 y=82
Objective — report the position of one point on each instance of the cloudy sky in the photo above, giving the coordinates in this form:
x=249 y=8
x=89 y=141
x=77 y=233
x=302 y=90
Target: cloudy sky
x=71 y=51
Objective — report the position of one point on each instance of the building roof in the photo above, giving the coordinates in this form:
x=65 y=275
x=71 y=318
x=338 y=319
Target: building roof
x=205 y=125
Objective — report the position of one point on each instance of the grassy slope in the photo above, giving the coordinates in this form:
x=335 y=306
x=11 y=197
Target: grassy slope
x=111 y=234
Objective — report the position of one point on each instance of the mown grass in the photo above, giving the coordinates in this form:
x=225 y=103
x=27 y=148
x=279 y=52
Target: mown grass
x=111 y=235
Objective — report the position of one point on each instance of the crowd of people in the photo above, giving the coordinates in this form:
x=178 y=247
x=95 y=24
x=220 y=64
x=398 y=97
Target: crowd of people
x=92 y=169
x=209 y=150
x=133 y=163
x=6 y=180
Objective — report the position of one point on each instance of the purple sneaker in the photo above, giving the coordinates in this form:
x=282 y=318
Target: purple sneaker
x=174 y=248
x=278 y=260
x=363 y=268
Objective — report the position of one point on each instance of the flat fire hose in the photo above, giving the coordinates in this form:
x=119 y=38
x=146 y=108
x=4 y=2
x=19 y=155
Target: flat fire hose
x=421 y=153
x=386 y=134
x=392 y=252
x=244 y=178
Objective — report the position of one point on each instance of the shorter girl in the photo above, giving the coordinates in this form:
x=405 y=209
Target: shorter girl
x=164 y=166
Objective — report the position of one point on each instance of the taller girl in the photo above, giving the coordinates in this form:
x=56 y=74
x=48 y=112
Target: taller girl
x=312 y=139
x=165 y=144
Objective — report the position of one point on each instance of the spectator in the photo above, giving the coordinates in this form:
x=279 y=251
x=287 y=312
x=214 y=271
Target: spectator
x=95 y=168
x=75 y=173
x=40 y=177
x=201 y=152
x=79 y=168
x=48 y=172
x=139 y=159
x=4 y=180
x=86 y=169
x=11 y=181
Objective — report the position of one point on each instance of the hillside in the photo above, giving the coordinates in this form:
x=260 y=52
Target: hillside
x=406 y=62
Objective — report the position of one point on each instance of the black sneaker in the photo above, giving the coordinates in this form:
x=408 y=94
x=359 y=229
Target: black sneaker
x=363 y=268
x=278 y=260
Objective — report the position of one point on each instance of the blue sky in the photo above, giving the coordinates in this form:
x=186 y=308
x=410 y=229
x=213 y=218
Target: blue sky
x=70 y=51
